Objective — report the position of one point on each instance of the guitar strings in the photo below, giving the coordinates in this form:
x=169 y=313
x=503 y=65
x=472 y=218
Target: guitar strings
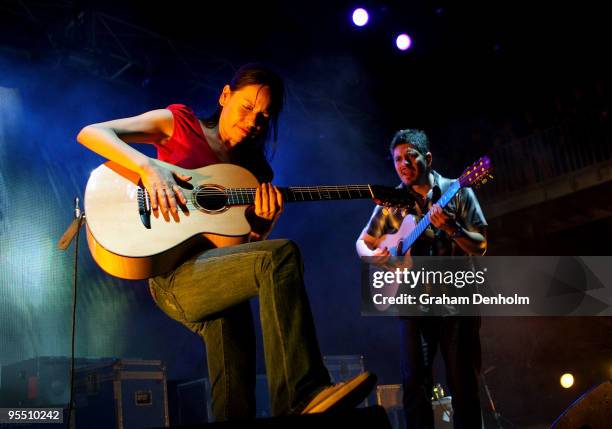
x=245 y=196
x=252 y=191
x=235 y=196
x=288 y=191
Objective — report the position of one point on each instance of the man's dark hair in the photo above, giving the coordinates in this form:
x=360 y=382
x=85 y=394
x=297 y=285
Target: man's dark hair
x=257 y=74
x=416 y=138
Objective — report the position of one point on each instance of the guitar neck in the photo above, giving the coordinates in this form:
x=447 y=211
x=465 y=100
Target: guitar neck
x=425 y=221
x=296 y=194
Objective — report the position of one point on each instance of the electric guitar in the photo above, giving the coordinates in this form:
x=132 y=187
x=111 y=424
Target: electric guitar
x=129 y=240
x=400 y=242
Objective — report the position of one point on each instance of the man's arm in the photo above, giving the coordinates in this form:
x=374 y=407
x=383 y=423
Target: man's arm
x=367 y=242
x=473 y=242
x=471 y=232
x=366 y=245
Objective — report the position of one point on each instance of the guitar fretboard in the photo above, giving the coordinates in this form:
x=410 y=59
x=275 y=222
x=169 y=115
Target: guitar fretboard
x=242 y=196
x=425 y=222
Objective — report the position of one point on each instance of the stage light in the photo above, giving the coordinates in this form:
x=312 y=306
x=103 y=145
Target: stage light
x=360 y=17
x=403 y=42
x=567 y=380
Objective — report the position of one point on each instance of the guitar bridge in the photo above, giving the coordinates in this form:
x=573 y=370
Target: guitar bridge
x=144 y=207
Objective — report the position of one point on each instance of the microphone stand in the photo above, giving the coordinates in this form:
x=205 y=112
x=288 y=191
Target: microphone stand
x=67 y=237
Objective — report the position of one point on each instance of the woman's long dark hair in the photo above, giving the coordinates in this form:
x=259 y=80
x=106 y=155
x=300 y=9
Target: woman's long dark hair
x=257 y=74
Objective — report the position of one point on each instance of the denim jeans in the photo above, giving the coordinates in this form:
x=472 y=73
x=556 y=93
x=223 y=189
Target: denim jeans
x=459 y=341
x=209 y=294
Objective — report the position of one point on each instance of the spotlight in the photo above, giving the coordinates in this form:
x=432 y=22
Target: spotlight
x=567 y=380
x=403 y=42
x=360 y=17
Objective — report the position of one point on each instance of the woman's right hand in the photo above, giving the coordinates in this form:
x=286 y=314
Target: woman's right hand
x=164 y=191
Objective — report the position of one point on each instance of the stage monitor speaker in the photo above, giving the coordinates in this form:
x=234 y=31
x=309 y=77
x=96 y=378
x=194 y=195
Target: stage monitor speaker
x=593 y=410
x=363 y=418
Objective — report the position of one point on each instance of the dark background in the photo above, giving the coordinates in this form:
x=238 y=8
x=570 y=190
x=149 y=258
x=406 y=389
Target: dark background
x=481 y=77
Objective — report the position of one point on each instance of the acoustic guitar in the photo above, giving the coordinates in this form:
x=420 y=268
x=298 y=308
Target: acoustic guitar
x=129 y=240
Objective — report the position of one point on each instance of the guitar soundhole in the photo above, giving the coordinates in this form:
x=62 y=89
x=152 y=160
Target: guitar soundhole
x=210 y=198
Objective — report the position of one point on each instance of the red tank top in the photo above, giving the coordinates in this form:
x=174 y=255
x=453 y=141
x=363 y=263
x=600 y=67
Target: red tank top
x=187 y=147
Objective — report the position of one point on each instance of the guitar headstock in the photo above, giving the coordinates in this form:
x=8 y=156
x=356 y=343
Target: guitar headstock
x=391 y=197
x=477 y=174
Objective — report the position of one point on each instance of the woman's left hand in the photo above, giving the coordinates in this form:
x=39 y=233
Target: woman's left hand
x=268 y=202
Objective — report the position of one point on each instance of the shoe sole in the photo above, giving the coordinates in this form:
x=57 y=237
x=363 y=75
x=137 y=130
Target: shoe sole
x=348 y=396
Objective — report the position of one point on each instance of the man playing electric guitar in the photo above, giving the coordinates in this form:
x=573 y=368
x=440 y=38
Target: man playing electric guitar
x=458 y=229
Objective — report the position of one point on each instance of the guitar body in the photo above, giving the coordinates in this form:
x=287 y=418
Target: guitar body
x=124 y=247
x=393 y=241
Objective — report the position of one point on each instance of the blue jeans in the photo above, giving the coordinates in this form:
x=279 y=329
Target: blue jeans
x=209 y=294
